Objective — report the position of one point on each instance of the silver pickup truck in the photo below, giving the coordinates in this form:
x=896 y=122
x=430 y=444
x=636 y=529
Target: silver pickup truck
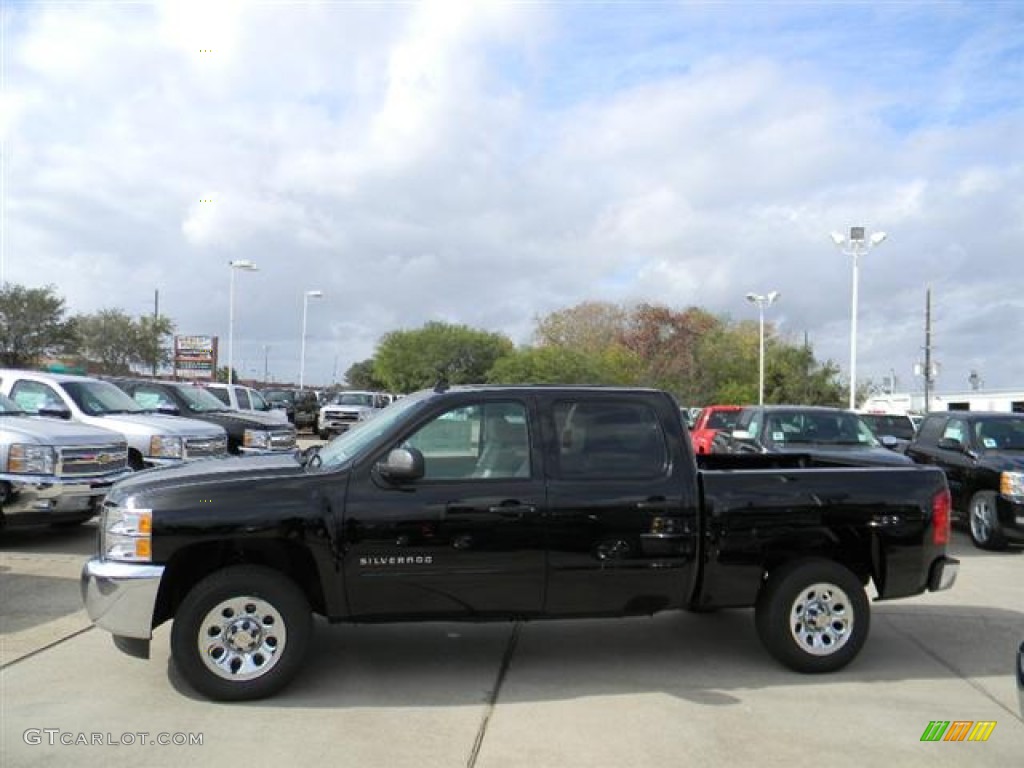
x=52 y=471
x=154 y=440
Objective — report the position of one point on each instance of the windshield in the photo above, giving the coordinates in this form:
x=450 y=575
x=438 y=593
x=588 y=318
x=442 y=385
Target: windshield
x=10 y=408
x=723 y=419
x=1000 y=434
x=353 y=398
x=200 y=400
x=352 y=443
x=885 y=424
x=98 y=398
x=818 y=428
x=278 y=396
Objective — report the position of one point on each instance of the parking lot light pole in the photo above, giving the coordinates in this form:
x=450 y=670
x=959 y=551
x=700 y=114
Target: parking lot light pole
x=302 y=355
x=246 y=266
x=855 y=245
x=762 y=301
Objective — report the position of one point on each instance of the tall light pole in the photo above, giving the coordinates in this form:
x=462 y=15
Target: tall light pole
x=246 y=266
x=855 y=245
x=762 y=301
x=302 y=357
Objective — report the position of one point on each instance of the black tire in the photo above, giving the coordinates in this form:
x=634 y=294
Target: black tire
x=983 y=522
x=324 y=434
x=135 y=462
x=241 y=633
x=813 y=615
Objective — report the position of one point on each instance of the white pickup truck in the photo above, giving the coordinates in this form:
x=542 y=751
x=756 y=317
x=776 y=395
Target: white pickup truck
x=54 y=472
x=153 y=439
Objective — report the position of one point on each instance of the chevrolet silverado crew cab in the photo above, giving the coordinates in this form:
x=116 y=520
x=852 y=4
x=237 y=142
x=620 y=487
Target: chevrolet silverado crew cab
x=249 y=432
x=491 y=502
x=153 y=439
x=53 y=472
x=982 y=455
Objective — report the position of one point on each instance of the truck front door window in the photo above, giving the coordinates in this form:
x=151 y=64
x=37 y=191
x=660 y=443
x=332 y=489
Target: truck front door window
x=481 y=441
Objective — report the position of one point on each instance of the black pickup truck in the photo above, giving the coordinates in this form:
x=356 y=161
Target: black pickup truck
x=478 y=503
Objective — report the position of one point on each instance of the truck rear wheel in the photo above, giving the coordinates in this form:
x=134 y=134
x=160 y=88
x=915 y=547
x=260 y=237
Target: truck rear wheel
x=813 y=615
x=984 y=523
x=241 y=633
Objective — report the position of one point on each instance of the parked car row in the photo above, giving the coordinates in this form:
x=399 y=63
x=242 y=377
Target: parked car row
x=981 y=453
x=64 y=439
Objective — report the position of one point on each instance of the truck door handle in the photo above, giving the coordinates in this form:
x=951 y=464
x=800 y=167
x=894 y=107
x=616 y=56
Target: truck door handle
x=512 y=509
x=654 y=505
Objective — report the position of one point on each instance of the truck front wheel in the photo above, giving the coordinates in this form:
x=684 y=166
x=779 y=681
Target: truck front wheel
x=985 y=531
x=241 y=633
x=813 y=615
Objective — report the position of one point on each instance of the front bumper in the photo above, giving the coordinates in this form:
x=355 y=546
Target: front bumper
x=1010 y=515
x=27 y=494
x=120 y=597
x=943 y=573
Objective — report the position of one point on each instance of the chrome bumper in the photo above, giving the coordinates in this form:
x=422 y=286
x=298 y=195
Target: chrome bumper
x=943 y=574
x=49 y=493
x=120 y=597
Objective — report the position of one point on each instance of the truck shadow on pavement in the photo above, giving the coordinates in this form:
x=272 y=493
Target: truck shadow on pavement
x=705 y=659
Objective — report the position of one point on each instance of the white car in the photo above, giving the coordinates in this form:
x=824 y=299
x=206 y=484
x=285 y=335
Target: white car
x=153 y=439
x=346 y=409
x=242 y=398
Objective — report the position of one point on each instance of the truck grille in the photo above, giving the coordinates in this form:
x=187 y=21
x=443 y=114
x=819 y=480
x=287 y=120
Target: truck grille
x=342 y=416
x=282 y=439
x=199 y=447
x=84 y=460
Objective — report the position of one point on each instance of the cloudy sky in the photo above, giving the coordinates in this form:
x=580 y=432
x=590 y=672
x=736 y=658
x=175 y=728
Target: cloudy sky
x=486 y=163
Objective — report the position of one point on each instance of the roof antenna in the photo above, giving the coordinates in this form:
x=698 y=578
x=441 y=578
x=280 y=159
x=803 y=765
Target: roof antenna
x=442 y=380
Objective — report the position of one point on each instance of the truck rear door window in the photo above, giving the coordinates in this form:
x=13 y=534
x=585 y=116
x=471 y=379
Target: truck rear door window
x=609 y=439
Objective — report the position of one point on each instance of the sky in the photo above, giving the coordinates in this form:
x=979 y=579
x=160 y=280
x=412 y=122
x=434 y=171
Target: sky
x=487 y=163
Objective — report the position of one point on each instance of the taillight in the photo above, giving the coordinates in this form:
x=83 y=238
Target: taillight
x=942 y=505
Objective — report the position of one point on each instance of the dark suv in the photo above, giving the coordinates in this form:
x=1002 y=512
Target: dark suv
x=301 y=405
x=248 y=432
x=983 y=457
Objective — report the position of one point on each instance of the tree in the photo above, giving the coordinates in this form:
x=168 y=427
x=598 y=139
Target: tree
x=32 y=325
x=108 y=339
x=562 y=365
x=409 y=360
x=587 y=327
x=151 y=345
x=360 y=376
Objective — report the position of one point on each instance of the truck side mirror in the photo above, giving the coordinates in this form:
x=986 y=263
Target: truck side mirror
x=951 y=444
x=55 y=411
x=169 y=410
x=402 y=465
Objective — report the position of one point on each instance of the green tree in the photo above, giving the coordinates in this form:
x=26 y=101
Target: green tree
x=108 y=340
x=409 y=360
x=152 y=343
x=360 y=376
x=587 y=327
x=32 y=325
x=563 y=365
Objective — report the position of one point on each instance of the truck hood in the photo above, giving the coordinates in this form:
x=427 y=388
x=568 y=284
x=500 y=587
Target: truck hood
x=48 y=431
x=1002 y=461
x=233 y=469
x=240 y=420
x=156 y=423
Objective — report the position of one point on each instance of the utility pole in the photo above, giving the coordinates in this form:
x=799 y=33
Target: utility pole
x=156 y=334
x=927 y=349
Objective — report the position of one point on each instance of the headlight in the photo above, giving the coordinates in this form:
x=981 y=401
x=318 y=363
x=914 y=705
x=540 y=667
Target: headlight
x=127 y=534
x=1011 y=485
x=165 y=447
x=256 y=438
x=31 y=460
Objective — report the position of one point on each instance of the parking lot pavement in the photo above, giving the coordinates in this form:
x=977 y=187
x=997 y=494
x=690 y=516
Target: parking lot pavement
x=676 y=689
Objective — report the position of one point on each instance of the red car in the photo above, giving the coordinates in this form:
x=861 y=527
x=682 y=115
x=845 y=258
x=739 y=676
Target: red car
x=710 y=420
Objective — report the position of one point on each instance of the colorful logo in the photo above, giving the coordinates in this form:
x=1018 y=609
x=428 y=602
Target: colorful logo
x=958 y=730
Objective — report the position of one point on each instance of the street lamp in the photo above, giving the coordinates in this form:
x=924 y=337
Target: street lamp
x=856 y=244
x=246 y=266
x=762 y=301
x=302 y=357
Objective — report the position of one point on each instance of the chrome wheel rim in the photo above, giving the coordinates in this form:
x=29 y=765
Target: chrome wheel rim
x=981 y=519
x=242 y=638
x=821 y=619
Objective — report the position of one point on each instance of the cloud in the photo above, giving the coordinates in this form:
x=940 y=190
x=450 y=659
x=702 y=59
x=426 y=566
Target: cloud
x=485 y=163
